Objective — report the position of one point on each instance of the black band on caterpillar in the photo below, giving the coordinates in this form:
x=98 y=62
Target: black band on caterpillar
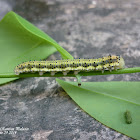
x=101 y=64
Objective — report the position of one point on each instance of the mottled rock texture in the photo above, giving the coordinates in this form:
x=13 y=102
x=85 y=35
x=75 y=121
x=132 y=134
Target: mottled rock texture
x=85 y=28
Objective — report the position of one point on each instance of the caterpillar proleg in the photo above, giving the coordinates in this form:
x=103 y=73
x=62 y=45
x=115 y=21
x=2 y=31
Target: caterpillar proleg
x=76 y=65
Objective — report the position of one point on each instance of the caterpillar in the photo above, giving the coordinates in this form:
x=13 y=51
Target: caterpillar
x=76 y=65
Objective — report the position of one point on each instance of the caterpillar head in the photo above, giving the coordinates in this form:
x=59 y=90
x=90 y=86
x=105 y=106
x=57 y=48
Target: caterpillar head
x=121 y=63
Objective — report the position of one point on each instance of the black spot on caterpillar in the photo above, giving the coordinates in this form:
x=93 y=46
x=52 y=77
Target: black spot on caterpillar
x=76 y=65
x=128 y=117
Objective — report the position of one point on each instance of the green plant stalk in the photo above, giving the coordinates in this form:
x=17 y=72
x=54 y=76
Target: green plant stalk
x=78 y=76
x=70 y=74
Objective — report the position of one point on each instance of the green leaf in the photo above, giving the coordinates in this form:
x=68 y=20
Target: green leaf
x=21 y=41
x=108 y=101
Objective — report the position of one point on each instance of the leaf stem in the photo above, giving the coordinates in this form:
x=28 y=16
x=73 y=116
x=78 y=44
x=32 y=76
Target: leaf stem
x=71 y=74
x=78 y=76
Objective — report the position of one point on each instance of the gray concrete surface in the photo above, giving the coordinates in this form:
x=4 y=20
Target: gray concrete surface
x=85 y=28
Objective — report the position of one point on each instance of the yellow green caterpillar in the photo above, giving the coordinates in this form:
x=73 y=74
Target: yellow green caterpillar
x=76 y=65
